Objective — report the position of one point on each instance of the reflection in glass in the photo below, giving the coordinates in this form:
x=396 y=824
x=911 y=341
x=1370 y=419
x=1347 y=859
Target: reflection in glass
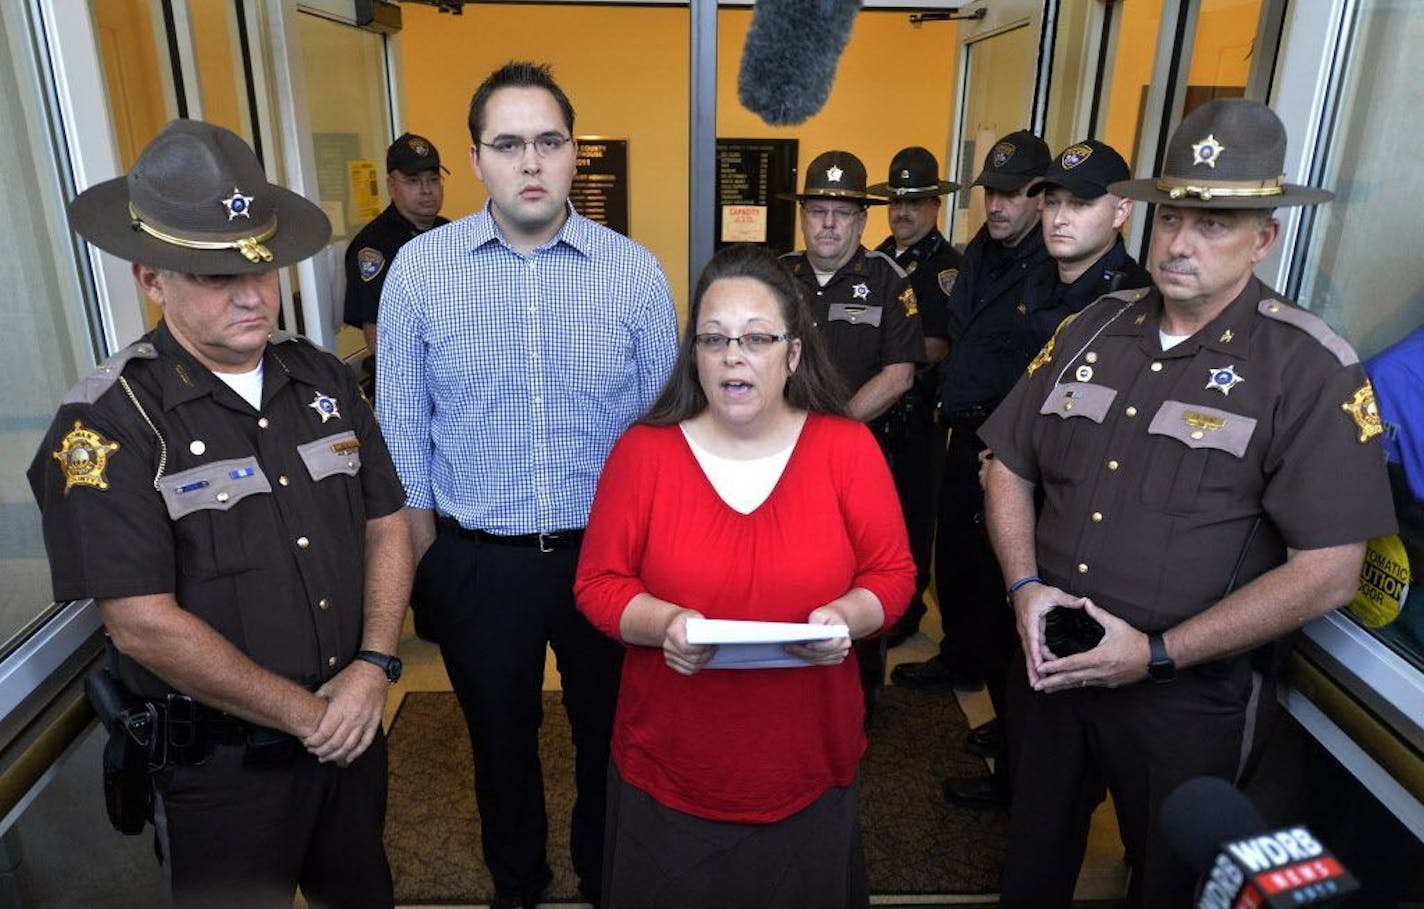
x=1363 y=274
x=1133 y=57
x=219 y=59
x=48 y=338
x=1074 y=75
x=1222 y=51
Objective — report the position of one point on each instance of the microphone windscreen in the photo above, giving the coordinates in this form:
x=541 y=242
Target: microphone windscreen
x=1203 y=813
x=790 y=56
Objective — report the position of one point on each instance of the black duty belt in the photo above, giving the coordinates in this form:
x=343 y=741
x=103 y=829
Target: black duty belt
x=179 y=730
x=967 y=418
x=549 y=541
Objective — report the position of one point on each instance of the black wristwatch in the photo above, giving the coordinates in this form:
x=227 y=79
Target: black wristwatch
x=1160 y=667
x=391 y=665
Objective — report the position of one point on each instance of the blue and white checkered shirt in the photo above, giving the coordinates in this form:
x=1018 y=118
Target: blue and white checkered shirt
x=504 y=379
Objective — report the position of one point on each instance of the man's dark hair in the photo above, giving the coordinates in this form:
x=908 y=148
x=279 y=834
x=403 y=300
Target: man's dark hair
x=815 y=386
x=517 y=74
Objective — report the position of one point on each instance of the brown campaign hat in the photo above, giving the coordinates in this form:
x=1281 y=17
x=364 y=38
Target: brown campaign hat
x=410 y=154
x=835 y=175
x=197 y=201
x=1228 y=153
x=914 y=174
x=1013 y=161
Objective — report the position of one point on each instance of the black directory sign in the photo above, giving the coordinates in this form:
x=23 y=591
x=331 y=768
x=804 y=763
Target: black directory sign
x=750 y=174
x=600 y=190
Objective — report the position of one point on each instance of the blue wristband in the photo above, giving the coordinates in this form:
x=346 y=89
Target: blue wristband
x=1024 y=582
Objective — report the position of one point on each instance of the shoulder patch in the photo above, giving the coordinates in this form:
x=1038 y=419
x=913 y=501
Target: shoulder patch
x=877 y=254
x=1364 y=410
x=83 y=456
x=90 y=388
x=947 y=279
x=369 y=262
x=1311 y=324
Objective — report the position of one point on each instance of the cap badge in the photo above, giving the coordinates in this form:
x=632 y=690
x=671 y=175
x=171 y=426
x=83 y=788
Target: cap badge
x=834 y=173
x=238 y=204
x=1075 y=156
x=1001 y=154
x=419 y=147
x=83 y=455
x=860 y=291
x=904 y=175
x=1207 y=151
x=1363 y=408
x=325 y=406
x=1223 y=379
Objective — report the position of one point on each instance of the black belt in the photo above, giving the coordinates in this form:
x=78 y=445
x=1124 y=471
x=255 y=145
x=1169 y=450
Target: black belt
x=183 y=731
x=967 y=418
x=548 y=541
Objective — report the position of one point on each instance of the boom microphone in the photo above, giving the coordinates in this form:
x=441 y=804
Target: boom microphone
x=1245 y=866
x=790 y=57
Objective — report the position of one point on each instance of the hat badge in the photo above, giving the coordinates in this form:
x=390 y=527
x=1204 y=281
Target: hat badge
x=1207 y=151
x=420 y=148
x=834 y=174
x=1075 y=156
x=1002 y=153
x=904 y=175
x=238 y=204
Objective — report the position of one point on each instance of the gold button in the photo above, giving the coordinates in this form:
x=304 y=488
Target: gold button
x=1097 y=517
x=1131 y=411
x=1156 y=367
x=283 y=481
x=262 y=423
x=1112 y=465
x=1091 y=357
x=223 y=497
x=331 y=661
x=1197 y=434
x=1082 y=567
x=324 y=603
x=303 y=542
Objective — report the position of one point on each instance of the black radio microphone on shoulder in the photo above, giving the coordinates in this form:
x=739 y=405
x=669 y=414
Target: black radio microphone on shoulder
x=790 y=56
x=1244 y=865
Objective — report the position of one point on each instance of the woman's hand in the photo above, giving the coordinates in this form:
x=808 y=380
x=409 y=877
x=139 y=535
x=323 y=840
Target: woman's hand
x=682 y=657
x=829 y=652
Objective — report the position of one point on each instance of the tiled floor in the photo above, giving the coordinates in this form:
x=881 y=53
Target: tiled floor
x=1103 y=876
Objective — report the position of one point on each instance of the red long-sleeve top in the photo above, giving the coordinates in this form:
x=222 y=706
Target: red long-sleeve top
x=743 y=745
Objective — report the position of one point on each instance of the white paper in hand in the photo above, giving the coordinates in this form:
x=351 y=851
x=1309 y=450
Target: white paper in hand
x=757 y=645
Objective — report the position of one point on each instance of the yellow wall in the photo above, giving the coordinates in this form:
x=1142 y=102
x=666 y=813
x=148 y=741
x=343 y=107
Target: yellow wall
x=220 y=74
x=1226 y=32
x=626 y=71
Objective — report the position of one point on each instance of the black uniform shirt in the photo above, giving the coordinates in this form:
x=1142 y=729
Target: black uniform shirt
x=367 y=259
x=933 y=266
x=1048 y=301
x=867 y=313
x=984 y=360
x=1155 y=466
x=254 y=520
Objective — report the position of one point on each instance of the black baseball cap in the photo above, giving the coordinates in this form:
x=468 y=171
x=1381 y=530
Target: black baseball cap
x=410 y=154
x=1013 y=161
x=1086 y=169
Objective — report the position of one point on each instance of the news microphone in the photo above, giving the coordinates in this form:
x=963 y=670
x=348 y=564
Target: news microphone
x=790 y=56
x=1244 y=865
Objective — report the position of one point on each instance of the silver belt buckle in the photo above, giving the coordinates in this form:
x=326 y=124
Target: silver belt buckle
x=546 y=541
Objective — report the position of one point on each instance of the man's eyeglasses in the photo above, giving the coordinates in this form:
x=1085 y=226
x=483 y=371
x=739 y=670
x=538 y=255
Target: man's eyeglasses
x=423 y=181
x=513 y=147
x=756 y=342
x=822 y=212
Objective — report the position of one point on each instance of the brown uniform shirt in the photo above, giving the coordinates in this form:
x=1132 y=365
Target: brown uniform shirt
x=254 y=520
x=1155 y=466
x=867 y=313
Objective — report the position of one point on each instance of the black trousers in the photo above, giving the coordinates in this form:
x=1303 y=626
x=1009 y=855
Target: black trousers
x=1139 y=742
x=979 y=633
x=496 y=608
x=915 y=465
x=233 y=836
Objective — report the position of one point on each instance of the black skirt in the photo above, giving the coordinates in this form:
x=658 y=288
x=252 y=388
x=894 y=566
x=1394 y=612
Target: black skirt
x=655 y=857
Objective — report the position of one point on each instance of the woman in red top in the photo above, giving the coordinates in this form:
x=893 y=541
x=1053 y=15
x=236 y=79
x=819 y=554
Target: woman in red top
x=743 y=494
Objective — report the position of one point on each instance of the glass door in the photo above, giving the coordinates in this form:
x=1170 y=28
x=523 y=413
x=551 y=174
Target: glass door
x=998 y=78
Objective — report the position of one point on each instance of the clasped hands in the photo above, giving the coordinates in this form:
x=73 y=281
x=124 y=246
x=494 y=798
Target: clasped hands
x=686 y=659
x=355 y=698
x=1119 y=659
